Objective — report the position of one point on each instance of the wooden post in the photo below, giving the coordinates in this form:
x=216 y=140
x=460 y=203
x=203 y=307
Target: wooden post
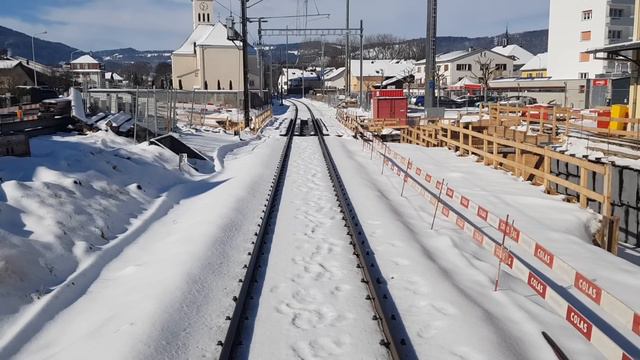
x=470 y=139
x=584 y=173
x=485 y=148
x=547 y=168
x=554 y=124
x=517 y=170
x=495 y=154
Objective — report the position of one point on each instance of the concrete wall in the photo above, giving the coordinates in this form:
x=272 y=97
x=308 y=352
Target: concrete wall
x=625 y=195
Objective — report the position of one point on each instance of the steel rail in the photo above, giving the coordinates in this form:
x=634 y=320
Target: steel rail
x=234 y=331
x=396 y=339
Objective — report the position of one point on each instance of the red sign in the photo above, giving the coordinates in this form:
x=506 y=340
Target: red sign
x=450 y=193
x=537 y=285
x=587 y=287
x=428 y=178
x=515 y=234
x=636 y=323
x=626 y=357
x=504 y=227
x=418 y=171
x=406 y=178
x=483 y=213
x=464 y=202
x=544 y=255
x=579 y=322
x=600 y=82
x=460 y=222
x=439 y=185
x=478 y=237
x=445 y=212
x=504 y=255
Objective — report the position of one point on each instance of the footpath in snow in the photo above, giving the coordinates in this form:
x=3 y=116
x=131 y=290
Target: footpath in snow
x=442 y=282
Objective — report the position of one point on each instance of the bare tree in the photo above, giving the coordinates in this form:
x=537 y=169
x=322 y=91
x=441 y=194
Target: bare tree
x=408 y=77
x=487 y=72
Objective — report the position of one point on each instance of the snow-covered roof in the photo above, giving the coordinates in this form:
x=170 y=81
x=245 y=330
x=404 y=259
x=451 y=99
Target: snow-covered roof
x=461 y=54
x=337 y=73
x=8 y=64
x=465 y=81
x=373 y=67
x=538 y=62
x=85 y=59
x=115 y=76
x=522 y=56
x=297 y=73
x=207 y=35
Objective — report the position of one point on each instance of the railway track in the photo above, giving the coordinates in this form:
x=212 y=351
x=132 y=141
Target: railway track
x=264 y=269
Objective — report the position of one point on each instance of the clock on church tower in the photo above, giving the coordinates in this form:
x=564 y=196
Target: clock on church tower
x=202 y=12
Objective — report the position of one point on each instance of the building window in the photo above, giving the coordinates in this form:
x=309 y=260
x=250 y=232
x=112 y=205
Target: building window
x=199 y=18
x=585 y=36
x=463 y=67
x=582 y=89
x=587 y=15
x=584 y=57
x=208 y=17
x=616 y=13
x=615 y=34
x=446 y=67
x=501 y=67
x=583 y=75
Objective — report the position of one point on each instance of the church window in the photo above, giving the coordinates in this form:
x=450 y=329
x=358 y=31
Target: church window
x=199 y=18
x=208 y=17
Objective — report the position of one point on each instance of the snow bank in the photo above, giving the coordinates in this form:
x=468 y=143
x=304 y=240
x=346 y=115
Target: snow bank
x=71 y=198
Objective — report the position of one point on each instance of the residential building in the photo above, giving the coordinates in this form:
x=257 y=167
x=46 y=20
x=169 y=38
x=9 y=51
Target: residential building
x=519 y=55
x=375 y=72
x=113 y=80
x=88 y=71
x=14 y=73
x=208 y=60
x=576 y=26
x=290 y=78
x=536 y=67
x=456 y=65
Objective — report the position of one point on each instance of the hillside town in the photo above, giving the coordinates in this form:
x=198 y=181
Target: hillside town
x=307 y=181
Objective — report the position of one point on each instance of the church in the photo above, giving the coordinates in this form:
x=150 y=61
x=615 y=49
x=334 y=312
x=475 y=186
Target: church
x=207 y=60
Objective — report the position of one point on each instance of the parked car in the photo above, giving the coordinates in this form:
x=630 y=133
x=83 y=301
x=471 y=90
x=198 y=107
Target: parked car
x=519 y=101
x=469 y=100
x=443 y=101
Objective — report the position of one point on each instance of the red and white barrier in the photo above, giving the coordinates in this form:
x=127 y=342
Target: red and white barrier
x=586 y=328
x=623 y=313
x=16 y=108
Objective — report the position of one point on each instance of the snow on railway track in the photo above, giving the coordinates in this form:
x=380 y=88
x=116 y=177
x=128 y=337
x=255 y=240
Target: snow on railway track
x=309 y=297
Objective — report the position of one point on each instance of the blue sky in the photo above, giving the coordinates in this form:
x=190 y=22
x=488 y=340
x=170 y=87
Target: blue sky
x=164 y=24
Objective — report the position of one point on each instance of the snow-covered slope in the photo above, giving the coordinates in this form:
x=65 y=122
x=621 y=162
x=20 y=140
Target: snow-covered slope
x=59 y=207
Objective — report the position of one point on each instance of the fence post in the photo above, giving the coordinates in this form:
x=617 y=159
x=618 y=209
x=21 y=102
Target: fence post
x=502 y=250
x=405 y=178
x=584 y=173
x=606 y=190
x=435 y=213
x=485 y=147
x=547 y=168
x=384 y=157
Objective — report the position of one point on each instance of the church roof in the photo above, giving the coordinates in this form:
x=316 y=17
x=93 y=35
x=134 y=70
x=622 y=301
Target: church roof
x=207 y=35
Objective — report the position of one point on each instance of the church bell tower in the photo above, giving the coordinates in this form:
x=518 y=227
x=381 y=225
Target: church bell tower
x=202 y=12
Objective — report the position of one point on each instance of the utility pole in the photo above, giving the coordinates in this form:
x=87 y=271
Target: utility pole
x=322 y=65
x=361 y=101
x=33 y=52
x=245 y=65
x=430 y=47
x=347 y=57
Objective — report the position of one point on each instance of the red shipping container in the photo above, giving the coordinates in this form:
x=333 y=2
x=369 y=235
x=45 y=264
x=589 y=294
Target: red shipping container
x=388 y=93
x=391 y=108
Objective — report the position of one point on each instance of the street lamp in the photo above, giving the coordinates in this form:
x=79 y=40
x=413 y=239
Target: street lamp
x=33 y=52
x=381 y=72
x=71 y=56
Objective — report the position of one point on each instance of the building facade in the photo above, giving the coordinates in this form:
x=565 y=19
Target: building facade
x=536 y=67
x=457 y=65
x=576 y=26
x=87 y=71
x=207 y=60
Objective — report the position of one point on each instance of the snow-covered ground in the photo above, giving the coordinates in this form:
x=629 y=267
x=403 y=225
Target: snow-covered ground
x=131 y=271
x=442 y=283
x=312 y=292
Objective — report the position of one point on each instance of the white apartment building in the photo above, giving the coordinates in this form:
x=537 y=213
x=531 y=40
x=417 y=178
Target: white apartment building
x=576 y=26
x=457 y=65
